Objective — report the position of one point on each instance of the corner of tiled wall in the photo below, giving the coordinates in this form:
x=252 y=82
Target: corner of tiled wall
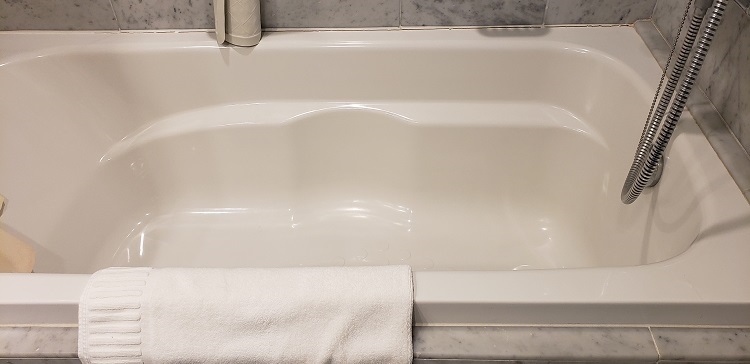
x=725 y=76
x=198 y=14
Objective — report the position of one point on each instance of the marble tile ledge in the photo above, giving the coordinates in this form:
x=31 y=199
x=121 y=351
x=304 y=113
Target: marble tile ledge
x=481 y=344
x=726 y=145
x=59 y=342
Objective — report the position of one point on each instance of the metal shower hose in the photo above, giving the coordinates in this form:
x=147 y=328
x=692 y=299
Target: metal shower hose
x=649 y=153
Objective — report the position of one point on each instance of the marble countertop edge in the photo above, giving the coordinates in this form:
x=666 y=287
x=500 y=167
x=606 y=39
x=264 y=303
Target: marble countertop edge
x=472 y=344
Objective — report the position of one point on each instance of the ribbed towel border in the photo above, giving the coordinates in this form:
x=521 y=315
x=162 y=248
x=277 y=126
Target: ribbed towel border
x=110 y=318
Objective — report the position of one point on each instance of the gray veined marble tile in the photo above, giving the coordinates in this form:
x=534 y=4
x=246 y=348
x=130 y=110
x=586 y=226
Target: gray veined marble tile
x=724 y=143
x=472 y=12
x=157 y=14
x=692 y=344
x=654 y=41
x=598 y=11
x=726 y=75
x=630 y=344
x=38 y=342
x=667 y=16
x=330 y=13
x=56 y=15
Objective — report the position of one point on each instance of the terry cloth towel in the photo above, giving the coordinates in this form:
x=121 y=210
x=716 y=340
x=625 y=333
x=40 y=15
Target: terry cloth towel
x=284 y=315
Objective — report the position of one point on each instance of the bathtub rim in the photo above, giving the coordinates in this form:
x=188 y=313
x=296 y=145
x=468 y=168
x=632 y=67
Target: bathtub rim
x=510 y=302
x=454 y=298
x=594 y=296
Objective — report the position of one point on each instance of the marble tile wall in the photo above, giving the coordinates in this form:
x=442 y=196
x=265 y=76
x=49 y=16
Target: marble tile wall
x=473 y=12
x=725 y=77
x=597 y=11
x=176 y=14
x=198 y=14
x=57 y=15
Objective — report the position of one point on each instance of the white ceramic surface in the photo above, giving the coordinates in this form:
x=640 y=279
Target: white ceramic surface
x=491 y=160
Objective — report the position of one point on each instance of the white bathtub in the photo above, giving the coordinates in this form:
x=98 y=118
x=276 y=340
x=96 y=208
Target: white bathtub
x=489 y=160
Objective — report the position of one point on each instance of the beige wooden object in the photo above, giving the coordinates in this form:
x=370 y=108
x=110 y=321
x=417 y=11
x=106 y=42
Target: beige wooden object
x=16 y=256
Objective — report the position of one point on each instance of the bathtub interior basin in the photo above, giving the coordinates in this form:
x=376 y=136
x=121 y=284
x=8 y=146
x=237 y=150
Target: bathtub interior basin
x=475 y=151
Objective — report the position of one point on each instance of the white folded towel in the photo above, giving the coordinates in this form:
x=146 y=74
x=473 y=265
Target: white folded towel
x=285 y=315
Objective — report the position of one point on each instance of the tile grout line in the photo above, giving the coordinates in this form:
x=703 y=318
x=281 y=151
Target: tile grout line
x=742 y=6
x=400 y=14
x=653 y=340
x=112 y=6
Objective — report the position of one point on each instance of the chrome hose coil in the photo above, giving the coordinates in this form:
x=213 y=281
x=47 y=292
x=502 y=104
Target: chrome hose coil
x=641 y=172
